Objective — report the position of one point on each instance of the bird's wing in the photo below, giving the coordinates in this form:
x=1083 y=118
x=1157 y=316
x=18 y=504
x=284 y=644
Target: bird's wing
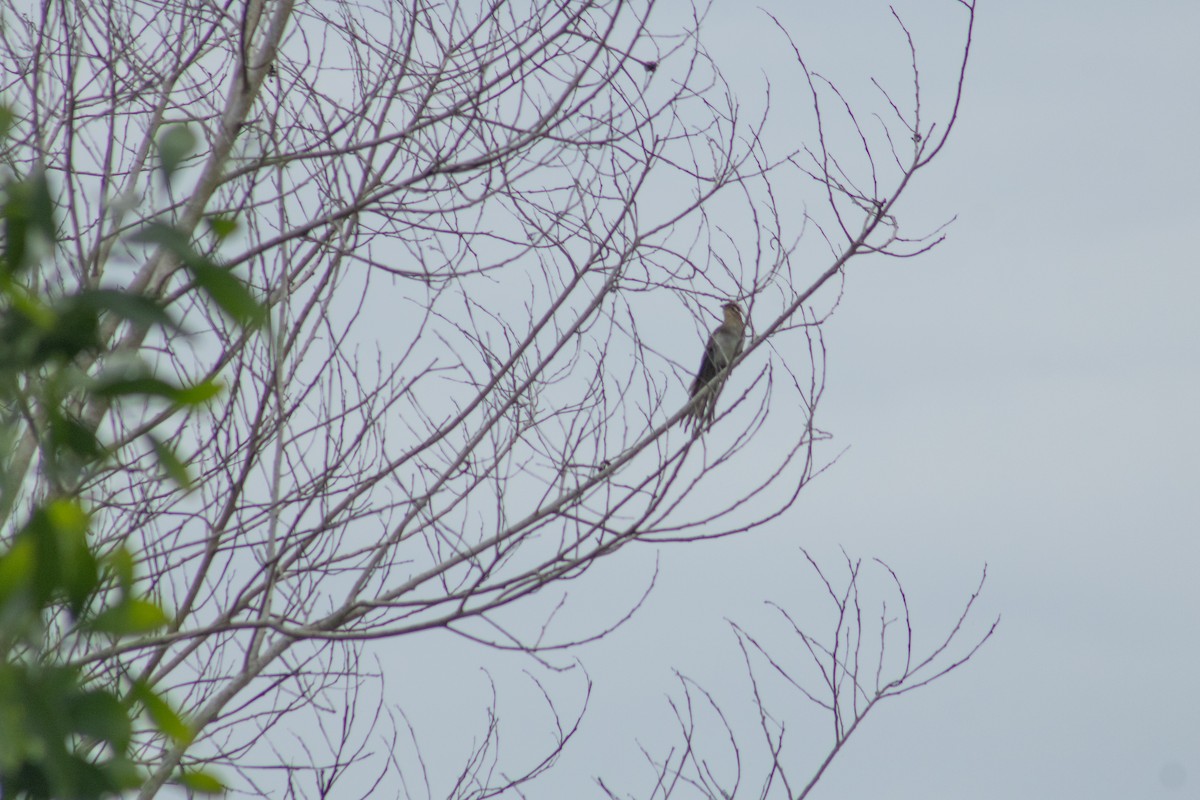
x=710 y=364
x=727 y=343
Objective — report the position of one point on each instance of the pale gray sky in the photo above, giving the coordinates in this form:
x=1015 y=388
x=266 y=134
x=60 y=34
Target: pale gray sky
x=1024 y=396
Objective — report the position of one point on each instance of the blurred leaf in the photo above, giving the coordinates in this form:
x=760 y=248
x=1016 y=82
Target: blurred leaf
x=146 y=384
x=29 y=305
x=170 y=239
x=130 y=617
x=77 y=329
x=120 y=561
x=202 y=781
x=198 y=393
x=68 y=516
x=43 y=712
x=170 y=462
x=24 y=321
x=134 y=308
x=145 y=616
x=28 y=212
x=161 y=713
x=123 y=385
x=13 y=738
x=174 y=145
x=75 y=569
x=229 y=293
x=7 y=118
x=17 y=565
x=49 y=560
x=222 y=227
x=226 y=289
x=164 y=235
x=33 y=333
x=67 y=432
x=101 y=716
x=124 y=774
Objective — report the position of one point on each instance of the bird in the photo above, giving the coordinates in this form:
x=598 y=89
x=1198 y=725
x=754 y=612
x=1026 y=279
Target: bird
x=724 y=345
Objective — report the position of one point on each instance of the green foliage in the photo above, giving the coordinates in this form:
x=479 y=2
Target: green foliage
x=221 y=285
x=47 y=563
x=28 y=215
x=63 y=734
x=46 y=713
x=175 y=145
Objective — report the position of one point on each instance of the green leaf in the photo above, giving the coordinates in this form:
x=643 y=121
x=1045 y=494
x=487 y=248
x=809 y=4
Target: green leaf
x=27 y=213
x=74 y=565
x=175 y=144
x=222 y=227
x=171 y=463
x=166 y=236
x=125 y=385
x=202 y=781
x=69 y=433
x=144 y=616
x=143 y=383
x=134 y=308
x=120 y=561
x=130 y=617
x=226 y=289
x=75 y=329
x=17 y=566
x=101 y=716
x=198 y=393
x=229 y=293
x=7 y=118
x=33 y=332
x=58 y=562
x=164 y=717
x=30 y=306
x=67 y=516
x=124 y=773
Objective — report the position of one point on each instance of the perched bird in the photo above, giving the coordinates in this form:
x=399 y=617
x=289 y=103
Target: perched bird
x=724 y=345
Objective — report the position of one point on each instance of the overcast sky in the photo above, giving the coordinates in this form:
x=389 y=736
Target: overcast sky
x=1025 y=396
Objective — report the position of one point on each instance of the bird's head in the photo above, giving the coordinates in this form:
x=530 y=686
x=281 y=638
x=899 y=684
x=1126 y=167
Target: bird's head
x=733 y=313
